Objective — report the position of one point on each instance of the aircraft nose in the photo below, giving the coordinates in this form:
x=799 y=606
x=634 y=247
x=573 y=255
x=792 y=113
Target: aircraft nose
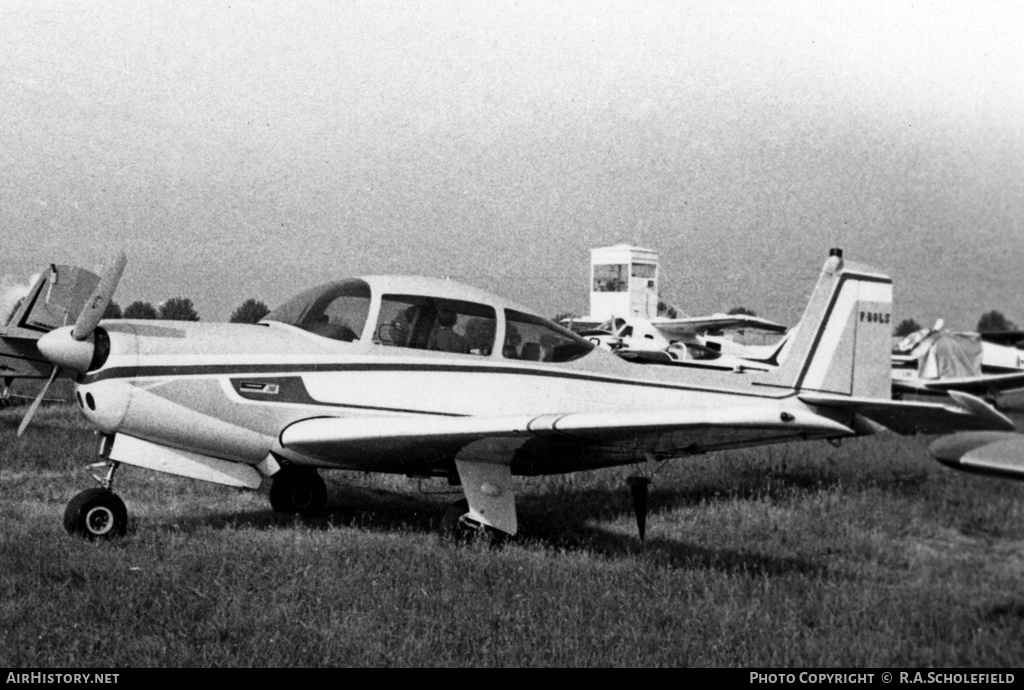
x=62 y=349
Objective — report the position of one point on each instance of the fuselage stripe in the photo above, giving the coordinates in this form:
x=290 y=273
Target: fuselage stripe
x=159 y=371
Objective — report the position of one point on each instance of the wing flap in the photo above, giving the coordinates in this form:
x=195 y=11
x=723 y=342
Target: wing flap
x=597 y=426
x=969 y=413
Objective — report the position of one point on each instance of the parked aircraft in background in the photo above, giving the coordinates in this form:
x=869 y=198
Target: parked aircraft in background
x=936 y=361
x=356 y=375
x=624 y=318
x=696 y=341
x=55 y=299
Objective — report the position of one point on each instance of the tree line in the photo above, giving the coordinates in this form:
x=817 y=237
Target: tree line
x=990 y=322
x=182 y=309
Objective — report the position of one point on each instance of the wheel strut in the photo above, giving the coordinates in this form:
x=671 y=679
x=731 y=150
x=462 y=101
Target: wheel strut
x=105 y=480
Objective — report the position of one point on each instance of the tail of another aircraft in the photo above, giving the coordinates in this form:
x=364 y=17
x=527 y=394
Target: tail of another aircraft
x=54 y=300
x=842 y=344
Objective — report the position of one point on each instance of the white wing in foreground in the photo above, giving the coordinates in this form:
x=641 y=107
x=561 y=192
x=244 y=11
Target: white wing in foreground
x=983 y=452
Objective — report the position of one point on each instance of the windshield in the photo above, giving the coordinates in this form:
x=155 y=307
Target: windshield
x=334 y=310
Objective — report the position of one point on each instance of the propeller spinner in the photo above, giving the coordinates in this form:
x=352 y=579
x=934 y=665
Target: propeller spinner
x=71 y=347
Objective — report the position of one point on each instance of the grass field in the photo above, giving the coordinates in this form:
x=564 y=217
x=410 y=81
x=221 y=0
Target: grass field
x=869 y=554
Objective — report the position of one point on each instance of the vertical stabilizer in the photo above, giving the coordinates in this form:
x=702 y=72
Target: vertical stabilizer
x=55 y=300
x=842 y=344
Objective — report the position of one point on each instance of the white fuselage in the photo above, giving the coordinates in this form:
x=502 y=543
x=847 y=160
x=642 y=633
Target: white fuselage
x=227 y=391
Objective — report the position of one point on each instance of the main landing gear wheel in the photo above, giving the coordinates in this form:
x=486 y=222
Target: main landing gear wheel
x=457 y=527
x=96 y=514
x=298 y=490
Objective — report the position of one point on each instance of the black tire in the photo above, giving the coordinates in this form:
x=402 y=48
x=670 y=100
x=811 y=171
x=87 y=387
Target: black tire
x=451 y=520
x=454 y=529
x=298 y=490
x=96 y=514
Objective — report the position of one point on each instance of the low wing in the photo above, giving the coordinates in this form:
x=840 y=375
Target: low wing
x=326 y=437
x=983 y=452
x=366 y=440
x=984 y=384
x=483 y=449
x=691 y=325
x=968 y=414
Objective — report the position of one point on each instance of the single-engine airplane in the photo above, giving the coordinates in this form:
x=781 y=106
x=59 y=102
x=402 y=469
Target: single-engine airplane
x=431 y=378
x=689 y=341
x=55 y=299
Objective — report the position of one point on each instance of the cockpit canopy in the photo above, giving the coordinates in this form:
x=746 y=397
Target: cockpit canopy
x=343 y=310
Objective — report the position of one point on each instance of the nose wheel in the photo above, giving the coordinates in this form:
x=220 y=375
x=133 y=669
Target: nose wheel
x=96 y=514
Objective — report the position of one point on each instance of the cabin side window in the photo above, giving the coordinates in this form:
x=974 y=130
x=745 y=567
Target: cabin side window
x=433 y=323
x=534 y=339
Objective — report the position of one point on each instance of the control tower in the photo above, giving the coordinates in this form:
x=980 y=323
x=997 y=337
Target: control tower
x=623 y=282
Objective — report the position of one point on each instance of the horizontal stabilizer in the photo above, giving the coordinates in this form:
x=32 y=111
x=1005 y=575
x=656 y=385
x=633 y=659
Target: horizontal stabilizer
x=982 y=452
x=969 y=414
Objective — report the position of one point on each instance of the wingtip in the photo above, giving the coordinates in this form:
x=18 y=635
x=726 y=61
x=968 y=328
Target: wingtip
x=992 y=418
x=996 y=453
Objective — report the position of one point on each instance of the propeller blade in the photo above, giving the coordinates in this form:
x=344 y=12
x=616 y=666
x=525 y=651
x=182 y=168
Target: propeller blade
x=27 y=419
x=95 y=307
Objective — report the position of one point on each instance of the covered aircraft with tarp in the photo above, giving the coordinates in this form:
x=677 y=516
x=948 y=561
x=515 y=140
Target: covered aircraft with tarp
x=935 y=360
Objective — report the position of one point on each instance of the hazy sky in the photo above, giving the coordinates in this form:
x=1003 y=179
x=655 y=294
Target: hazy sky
x=252 y=149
